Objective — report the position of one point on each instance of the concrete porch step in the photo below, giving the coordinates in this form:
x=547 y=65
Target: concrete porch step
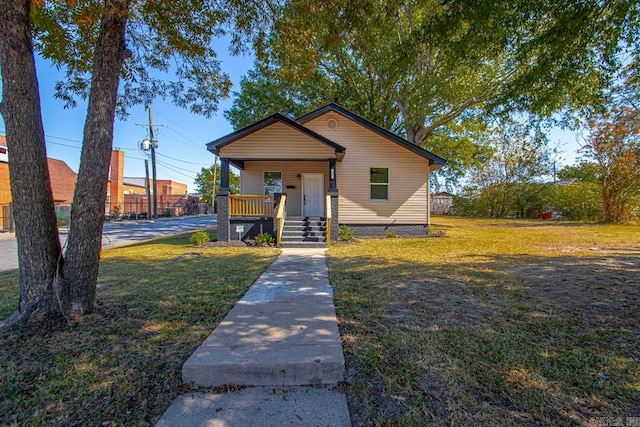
x=305 y=218
x=303 y=239
x=305 y=224
x=293 y=236
x=304 y=232
x=303 y=244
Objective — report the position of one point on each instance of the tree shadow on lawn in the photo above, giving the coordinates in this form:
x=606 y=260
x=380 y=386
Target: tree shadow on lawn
x=499 y=339
x=122 y=364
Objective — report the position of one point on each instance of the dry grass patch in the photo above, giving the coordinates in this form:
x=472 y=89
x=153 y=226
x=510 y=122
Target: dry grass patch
x=500 y=323
x=121 y=365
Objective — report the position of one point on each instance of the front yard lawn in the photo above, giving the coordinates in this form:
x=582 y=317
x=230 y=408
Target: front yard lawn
x=500 y=323
x=157 y=301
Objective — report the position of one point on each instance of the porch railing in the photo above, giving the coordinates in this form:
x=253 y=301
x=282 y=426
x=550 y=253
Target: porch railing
x=280 y=217
x=328 y=215
x=250 y=205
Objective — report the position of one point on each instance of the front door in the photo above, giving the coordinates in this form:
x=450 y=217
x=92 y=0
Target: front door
x=313 y=194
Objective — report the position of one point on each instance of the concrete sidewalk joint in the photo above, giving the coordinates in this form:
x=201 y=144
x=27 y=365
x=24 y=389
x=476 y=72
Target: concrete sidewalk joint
x=282 y=332
x=281 y=337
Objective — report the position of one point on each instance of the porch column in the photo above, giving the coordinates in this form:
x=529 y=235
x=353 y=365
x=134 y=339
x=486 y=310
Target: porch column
x=333 y=192
x=223 y=201
x=332 y=175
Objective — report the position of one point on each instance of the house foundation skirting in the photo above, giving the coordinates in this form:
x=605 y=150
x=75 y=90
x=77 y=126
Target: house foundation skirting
x=363 y=230
x=251 y=227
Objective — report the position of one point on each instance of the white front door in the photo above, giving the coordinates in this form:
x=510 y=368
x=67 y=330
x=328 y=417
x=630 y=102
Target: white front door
x=313 y=194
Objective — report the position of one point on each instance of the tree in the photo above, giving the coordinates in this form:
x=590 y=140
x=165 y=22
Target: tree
x=91 y=40
x=435 y=70
x=585 y=171
x=614 y=143
x=204 y=182
x=262 y=93
x=39 y=249
x=508 y=183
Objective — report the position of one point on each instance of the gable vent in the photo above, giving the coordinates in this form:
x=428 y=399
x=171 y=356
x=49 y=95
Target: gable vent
x=332 y=124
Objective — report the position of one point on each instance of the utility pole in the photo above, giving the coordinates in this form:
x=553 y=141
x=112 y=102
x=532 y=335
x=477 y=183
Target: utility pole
x=153 y=165
x=151 y=145
x=146 y=187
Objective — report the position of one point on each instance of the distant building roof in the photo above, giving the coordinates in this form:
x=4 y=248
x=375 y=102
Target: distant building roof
x=138 y=182
x=63 y=180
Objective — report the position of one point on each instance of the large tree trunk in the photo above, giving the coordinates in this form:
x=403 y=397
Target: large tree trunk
x=42 y=292
x=87 y=213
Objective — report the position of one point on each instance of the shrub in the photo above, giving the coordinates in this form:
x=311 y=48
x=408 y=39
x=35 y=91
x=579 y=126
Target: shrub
x=265 y=239
x=345 y=232
x=114 y=214
x=580 y=201
x=390 y=234
x=200 y=238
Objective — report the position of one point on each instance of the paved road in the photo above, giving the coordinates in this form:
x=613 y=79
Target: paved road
x=117 y=234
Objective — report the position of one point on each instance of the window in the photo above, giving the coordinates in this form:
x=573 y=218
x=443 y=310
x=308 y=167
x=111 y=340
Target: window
x=379 y=183
x=272 y=183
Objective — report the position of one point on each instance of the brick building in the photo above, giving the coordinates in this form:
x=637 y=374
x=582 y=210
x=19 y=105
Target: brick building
x=128 y=194
x=172 y=197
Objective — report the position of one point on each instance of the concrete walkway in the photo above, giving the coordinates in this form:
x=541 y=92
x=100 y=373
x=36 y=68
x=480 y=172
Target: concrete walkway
x=282 y=340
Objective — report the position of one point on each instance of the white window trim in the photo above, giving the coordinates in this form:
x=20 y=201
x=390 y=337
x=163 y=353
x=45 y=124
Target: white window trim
x=380 y=183
x=265 y=186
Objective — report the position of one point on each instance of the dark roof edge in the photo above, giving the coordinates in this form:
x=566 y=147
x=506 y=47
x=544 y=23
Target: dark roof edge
x=374 y=127
x=260 y=124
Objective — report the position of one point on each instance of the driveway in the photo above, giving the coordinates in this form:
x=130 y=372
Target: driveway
x=117 y=234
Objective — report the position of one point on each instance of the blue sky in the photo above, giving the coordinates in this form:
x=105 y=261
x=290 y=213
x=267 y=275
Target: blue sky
x=181 y=152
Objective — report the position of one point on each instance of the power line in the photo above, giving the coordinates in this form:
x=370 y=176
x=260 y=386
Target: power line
x=178 y=172
x=64 y=145
x=183 y=161
x=165 y=173
x=187 y=139
x=174 y=166
x=48 y=141
x=179 y=125
x=63 y=139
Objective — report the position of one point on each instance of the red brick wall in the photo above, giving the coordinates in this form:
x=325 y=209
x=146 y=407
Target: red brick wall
x=5 y=190
x=63 y=181
x=169 y=187
x=116 y=186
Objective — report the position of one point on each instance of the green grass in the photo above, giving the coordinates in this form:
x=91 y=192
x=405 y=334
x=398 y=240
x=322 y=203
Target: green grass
x=157 y=301
x=500 y=323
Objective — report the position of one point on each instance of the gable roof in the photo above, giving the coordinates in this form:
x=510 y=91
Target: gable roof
x=216 y=145
x=433 y=159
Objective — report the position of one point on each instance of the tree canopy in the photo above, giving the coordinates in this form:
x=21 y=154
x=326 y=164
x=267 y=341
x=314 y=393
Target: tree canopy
x=433 y=71
x=116 y=53
x=205 y=182
x=169 y=50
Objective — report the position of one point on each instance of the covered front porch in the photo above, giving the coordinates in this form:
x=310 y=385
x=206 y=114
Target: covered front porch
x=286 y=171
x=303 y=192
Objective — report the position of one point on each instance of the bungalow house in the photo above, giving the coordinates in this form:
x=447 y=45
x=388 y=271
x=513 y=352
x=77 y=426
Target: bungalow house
x=302 y=178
